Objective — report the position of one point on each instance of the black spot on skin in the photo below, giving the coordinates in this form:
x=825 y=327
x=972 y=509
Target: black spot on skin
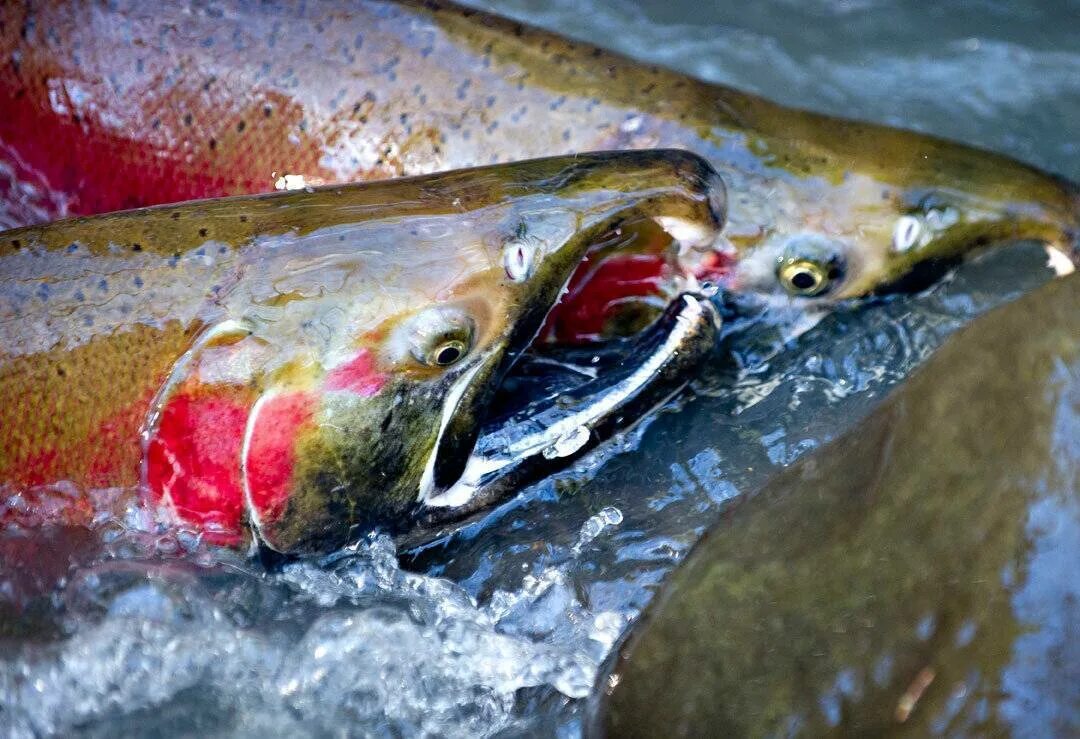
x=240 y=126
x=175 y=215
x=243 y=219
x=267 y=111
x=60 y=372
x=16 y=243
x=155 y=124
x=72 y=248
x=136 y=247
x=203 y=232
x=213 y=144
x=188 y=119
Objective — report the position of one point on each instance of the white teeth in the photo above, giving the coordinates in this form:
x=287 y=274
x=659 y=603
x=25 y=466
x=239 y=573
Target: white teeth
x=1058 y=261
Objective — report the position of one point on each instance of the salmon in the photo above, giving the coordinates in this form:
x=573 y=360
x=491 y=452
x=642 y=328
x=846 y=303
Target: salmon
x=127 y=104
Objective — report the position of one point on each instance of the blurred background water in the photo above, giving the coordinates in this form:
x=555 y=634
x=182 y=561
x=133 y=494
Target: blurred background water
x=502 y=628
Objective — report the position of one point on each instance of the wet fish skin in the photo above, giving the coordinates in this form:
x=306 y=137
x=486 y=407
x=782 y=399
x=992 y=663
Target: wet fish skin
x=278 y=350
x=159 y=104
x=915 y=576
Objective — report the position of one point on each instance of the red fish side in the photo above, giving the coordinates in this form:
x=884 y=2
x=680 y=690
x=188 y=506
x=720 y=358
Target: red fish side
x=195 y=473
x=270 y=457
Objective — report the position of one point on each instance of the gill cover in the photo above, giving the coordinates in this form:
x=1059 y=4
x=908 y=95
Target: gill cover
x=355 y=359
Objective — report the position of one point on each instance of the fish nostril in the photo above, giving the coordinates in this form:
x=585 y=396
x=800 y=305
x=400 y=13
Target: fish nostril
x=518 y=260
x=906 y=233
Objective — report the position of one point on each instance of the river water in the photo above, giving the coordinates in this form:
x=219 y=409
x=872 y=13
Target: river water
x=502 y=628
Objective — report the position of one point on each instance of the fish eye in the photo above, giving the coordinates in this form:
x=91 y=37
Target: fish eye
x=441 y=336
x=810 y=266
x=803 y=278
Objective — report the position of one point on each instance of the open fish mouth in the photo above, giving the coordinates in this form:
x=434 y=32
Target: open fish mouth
x=669 y=323
x=549 y=434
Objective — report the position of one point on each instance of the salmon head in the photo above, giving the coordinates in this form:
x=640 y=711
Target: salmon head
x=876 y=209
x=343 y=345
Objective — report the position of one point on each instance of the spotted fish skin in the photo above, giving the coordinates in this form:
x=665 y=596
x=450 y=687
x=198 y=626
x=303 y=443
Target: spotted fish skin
x=125 y=105
x=282 y=359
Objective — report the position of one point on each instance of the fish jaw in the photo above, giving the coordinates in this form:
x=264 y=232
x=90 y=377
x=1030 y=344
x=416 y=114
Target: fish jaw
x=357 y=429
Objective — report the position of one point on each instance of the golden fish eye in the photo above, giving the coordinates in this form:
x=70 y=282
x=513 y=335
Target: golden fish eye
x=441 y=336
x=803 y=277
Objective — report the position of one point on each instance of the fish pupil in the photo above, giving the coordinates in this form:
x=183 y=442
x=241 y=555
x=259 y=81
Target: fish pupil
x=448 y=355
x=803 y=280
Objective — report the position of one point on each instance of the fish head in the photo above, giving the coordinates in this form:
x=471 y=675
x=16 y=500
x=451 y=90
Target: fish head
x=879 y=210
x=385 y=332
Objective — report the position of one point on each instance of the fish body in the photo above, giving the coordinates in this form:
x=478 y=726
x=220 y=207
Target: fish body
x=303 y=361
x=916 y=575
x=127 y=104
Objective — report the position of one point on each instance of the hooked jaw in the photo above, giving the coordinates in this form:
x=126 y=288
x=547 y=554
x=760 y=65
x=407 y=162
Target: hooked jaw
x=684 y=197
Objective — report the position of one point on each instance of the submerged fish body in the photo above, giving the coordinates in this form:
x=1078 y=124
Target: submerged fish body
x=131 y=105
x=303 y=361
x=915 y=576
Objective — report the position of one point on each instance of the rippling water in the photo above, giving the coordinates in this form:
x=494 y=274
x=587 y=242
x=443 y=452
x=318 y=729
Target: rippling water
x=502 y=627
